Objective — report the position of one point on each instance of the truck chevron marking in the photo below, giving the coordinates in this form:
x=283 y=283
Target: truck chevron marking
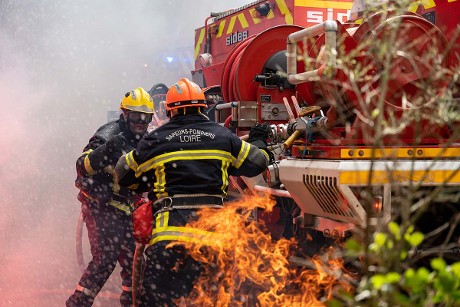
x=281 y=4
x=285 y=11
x=253 y=13
x=198 y=44
x=241 y=18
x=427 y=4
x=221 y=28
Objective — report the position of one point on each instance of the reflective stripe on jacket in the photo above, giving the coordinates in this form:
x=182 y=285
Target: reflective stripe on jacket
x=165 y=232
x=100 y=185
x=190 y=154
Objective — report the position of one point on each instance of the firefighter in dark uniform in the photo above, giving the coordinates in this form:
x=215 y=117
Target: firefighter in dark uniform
x=184 y=165
x=106 y=206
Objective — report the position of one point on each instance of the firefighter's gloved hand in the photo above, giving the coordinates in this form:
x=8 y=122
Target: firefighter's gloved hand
x=116 y=144
x=108 y=153
x=258 y=135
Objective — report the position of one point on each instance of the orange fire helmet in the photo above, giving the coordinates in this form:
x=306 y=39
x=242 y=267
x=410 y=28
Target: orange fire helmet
x=185 y=93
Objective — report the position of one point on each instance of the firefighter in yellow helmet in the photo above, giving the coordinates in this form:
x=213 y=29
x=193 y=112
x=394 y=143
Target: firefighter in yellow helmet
x=184 y=166
x=106 y=206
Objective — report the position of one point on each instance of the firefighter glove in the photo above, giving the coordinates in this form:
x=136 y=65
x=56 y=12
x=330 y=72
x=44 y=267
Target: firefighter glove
x=108 y=153
x=258 y=135
x=116 y=144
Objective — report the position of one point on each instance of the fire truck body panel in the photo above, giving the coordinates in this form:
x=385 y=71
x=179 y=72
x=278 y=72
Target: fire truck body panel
x=328 y=188
x=291 y=63
x=229 y=28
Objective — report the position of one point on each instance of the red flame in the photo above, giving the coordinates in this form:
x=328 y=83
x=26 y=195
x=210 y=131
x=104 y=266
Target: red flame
x=244 y=266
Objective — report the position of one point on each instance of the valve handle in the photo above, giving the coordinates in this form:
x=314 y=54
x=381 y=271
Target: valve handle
x=303 y=112
x=308 y=110
x=291 y=139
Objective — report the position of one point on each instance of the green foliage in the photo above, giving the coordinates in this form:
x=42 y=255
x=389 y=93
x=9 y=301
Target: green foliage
x=392 y=282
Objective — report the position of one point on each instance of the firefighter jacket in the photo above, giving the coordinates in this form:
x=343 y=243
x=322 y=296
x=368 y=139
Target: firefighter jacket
x=95 y=167
x=189 y=155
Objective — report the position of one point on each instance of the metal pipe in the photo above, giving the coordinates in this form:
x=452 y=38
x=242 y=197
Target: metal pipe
x=226 y=105
x=276 y=192
x=302 y=77
x=328 y=25
x=330 y=28
x=217 y=116
x=234 y=113
x=291 y=58
x=207 y=45
x=222 y=106
x=311 y=31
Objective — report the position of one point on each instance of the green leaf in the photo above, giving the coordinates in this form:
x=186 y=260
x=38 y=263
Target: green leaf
x=456 y=269
x=394 y=229
x=416 y=282
x=414 y=239
x=438 y=264
x=423 y=274
x=402 y=299
x=378 y=281
x=390 y=244
x=438 y=297
x=456 y=296
x=334 y=303
x=410 y=229
x=403 y=255
x=393 y=277
x=445 y=283
x=380 y=239
x=409 y=273
x=352 y=247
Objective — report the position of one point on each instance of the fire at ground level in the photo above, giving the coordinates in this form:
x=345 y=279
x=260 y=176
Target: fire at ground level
x=300 y=261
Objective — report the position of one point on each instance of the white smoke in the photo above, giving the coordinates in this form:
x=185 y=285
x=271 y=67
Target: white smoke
x=63 y=65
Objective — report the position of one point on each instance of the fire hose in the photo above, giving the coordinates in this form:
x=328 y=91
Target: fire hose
x=79 y=243
x=138 y=258
x=138 y=261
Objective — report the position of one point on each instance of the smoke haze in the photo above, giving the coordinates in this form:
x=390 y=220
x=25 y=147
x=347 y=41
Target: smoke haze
x=63 y=65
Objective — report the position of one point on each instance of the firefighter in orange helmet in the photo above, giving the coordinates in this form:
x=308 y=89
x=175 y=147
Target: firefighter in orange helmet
x=106 y=207
x=184 y=166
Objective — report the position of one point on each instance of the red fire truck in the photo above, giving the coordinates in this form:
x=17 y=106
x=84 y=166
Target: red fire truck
x=363 y=103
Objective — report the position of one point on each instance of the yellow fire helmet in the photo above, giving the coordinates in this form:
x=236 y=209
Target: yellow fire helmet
x=137 y=100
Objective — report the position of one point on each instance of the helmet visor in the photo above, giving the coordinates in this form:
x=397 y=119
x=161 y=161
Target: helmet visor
x=139 y=117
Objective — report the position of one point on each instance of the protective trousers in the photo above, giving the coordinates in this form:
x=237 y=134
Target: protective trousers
x=169 y=274
x=111 y=241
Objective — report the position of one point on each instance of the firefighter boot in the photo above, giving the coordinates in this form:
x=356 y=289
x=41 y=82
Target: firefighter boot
x=79 y=299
